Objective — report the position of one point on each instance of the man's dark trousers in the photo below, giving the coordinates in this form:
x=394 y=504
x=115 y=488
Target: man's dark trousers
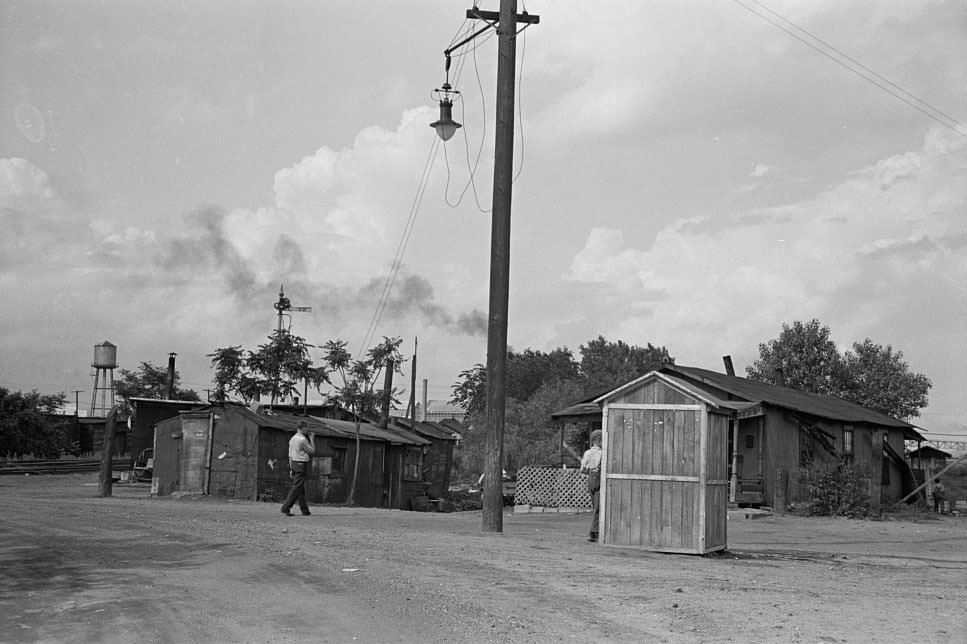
x=298 y=471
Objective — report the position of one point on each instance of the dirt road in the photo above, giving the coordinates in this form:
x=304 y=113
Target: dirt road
x=136 y=569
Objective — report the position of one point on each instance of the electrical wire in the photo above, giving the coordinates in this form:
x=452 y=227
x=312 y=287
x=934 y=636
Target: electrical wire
x=472 y=168
x=466 y=139
x=400 y=249
x=520 y=113
x=851 y=64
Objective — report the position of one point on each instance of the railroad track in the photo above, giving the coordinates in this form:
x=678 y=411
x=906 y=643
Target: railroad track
x=57 y=466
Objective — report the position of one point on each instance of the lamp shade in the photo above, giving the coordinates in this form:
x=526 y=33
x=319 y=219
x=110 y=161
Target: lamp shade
x=446 y=127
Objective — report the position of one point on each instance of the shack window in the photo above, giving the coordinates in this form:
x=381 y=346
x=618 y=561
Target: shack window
x=413 y=464
x=749 y=441
x=848 y=449
x=322 y=465
x=338 y=464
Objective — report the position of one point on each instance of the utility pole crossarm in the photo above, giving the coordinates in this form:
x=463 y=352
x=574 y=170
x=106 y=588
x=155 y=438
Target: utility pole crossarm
x=494 y=16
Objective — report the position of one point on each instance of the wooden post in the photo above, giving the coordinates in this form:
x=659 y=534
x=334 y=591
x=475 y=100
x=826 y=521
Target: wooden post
x=413 y=386
x=106 y=476
x=734 y=479
x=876 y=474
x=779 y=491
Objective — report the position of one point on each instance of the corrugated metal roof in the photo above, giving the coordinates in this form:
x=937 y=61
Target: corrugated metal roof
x=579 y=409
x=372 y=432
x=740 y=394
x=281 y=420
x=426 y=428
x=807 y=403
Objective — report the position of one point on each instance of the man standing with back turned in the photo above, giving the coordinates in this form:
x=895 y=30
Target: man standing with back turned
x=591 y=465
x=301 y=451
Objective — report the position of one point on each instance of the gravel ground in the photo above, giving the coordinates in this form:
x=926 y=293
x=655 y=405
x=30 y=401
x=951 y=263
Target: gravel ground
x=134 y=568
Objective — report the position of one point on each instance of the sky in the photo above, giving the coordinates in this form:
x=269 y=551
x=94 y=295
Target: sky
x=690 y=174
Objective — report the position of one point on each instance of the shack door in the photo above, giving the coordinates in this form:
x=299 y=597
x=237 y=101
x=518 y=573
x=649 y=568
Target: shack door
x=655 y=478
x=195 y=452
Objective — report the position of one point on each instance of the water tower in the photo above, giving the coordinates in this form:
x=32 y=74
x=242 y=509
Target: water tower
x=105 y=360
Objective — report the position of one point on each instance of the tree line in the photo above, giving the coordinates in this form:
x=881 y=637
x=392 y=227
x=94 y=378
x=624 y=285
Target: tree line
x=538 y=383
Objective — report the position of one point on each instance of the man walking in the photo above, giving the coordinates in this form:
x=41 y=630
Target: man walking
x=301 y=450
x=591 y=465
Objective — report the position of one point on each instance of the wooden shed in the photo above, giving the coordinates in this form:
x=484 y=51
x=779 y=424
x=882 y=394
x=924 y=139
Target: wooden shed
x=664 y=468
x=438 y=455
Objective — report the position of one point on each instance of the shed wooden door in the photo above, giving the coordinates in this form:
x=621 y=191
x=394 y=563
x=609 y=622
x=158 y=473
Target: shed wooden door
x=655 y=478
x=195 y=453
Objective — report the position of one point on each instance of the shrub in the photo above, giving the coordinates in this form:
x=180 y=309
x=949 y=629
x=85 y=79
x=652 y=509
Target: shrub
x=838 y=488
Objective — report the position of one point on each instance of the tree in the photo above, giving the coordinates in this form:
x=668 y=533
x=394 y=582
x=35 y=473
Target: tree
x=355 y=388
x=527 y=372
x=870 y=375
x=531 y=437
x=879 y=379
x=807 y=356
x=274 y=369
x=540 y=383
x=605 y=364
x=26 y=427
x=149 y=381
x=282 y=362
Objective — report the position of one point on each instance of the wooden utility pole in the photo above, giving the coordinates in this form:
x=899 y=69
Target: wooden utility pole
x=493 y=495
x=412 y=408
x=505 y=22
x=106 y=476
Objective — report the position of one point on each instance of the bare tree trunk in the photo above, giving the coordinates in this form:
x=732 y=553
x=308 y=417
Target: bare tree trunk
x=351 y=497
x=106 y=477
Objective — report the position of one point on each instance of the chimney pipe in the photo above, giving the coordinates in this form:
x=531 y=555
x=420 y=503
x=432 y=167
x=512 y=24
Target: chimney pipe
x=780 y=377
x=171 y=375
x=729 y=369
x=424 y=399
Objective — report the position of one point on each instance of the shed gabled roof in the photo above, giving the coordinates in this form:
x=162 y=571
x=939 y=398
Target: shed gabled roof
x=929 y=451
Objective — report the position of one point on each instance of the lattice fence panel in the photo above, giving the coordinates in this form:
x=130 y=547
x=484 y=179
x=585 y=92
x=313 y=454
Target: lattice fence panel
x=552 y=487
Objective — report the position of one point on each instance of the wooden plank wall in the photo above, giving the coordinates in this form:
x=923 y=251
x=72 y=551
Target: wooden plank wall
x=167 y=457
x=655 y=443
x=716 y=483
x=194 y=453
x=234 y=471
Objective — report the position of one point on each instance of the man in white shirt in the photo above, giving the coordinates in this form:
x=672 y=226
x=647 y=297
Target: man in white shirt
x=301 y=450
x=591 y=465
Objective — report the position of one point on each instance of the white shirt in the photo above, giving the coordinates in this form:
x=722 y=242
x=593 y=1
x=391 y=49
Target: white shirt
x=591 y=462
x=300 y=449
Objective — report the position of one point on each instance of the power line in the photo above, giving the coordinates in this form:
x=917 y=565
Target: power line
x=858 y=68
x=400 y=249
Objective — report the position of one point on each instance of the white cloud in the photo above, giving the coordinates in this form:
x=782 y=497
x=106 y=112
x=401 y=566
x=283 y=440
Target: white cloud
x=884 y=243
x=759 y=170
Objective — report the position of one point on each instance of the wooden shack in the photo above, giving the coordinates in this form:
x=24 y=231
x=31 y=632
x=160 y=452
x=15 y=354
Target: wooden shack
x=664 y=469
x=231 y=451
x=438 y=456
x=776 y=433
